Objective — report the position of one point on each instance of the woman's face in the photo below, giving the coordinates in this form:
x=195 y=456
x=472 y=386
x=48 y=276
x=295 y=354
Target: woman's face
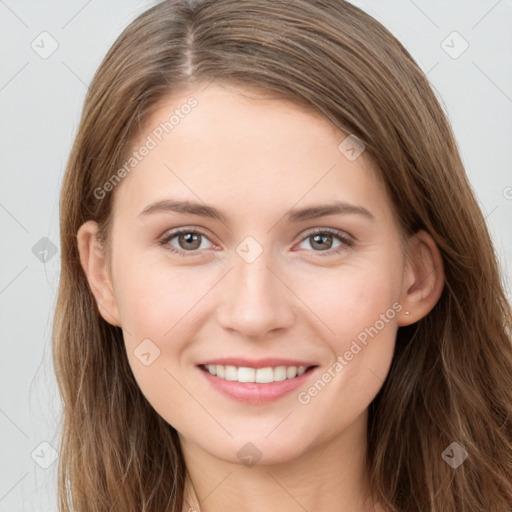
x=289 y=257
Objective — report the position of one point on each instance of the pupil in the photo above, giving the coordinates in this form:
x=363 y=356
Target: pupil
x=321 y=239
x=190 y=238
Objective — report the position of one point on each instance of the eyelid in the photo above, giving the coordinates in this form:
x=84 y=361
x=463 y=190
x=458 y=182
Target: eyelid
x=170 y=234
x=331 y=231
x=345 y=238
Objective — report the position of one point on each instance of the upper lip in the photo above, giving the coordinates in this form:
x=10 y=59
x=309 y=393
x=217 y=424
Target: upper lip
x=256 y=363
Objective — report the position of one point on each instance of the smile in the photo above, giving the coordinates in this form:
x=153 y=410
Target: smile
x=252 y=385
x=245 y=374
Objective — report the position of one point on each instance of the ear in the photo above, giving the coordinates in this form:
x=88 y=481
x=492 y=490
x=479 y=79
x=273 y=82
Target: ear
x=93 y=260
x=423 y=278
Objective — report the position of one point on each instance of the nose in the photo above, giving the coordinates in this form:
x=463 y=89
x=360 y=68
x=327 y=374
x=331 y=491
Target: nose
x=256 y=301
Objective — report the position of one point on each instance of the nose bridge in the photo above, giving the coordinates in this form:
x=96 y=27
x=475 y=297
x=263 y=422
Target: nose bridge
x=255 y=301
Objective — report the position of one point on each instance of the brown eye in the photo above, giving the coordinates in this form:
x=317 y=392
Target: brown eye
x=189 y=241
x=328 y=241
x=185 y=241
x=322 y=241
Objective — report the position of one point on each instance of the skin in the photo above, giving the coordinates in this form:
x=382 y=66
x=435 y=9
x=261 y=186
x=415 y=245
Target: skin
x=256 y=158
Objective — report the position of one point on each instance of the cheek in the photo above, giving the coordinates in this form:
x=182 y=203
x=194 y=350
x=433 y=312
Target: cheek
x=155 y=298
x=357 y=307
x=156 y=305
x=361 y=354
x=350 y=298
x=160 y=310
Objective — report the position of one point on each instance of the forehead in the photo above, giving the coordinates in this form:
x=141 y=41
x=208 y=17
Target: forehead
x=249 y=115
x=228 y=144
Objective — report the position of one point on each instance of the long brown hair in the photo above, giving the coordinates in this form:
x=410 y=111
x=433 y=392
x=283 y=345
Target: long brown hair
x=451 y=376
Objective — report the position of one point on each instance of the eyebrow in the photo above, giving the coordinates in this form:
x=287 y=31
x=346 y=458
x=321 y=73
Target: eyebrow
x=294 y=215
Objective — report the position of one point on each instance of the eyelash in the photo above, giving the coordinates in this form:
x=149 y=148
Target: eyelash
x=347 y=242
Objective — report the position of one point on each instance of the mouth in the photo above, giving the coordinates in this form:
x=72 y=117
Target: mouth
x=247 y=374
x=256 y=383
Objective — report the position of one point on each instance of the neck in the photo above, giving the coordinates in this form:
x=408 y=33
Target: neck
x=330 y=476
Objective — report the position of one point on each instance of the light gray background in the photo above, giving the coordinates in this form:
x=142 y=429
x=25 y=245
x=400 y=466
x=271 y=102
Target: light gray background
x=40 y=102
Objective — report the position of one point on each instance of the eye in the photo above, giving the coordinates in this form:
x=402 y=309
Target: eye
x=323 y=241
x=187 y=241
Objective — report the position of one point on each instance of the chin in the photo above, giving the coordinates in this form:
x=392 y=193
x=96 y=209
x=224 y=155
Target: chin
x=247 y=450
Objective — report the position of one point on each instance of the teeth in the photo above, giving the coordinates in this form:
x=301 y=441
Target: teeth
x=291 y=372
x=264 y=375
x=259 y=375
x=280 y=373
x=231 y=373
x=246 y=375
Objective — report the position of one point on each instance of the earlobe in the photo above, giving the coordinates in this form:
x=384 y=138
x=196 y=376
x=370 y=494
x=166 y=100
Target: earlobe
x=423 y=278
x=92 y=259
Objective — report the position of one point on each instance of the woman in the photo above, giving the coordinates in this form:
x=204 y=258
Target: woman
x=278 y=291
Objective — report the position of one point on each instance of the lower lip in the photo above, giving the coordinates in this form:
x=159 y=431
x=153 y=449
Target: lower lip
x=255 y=393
